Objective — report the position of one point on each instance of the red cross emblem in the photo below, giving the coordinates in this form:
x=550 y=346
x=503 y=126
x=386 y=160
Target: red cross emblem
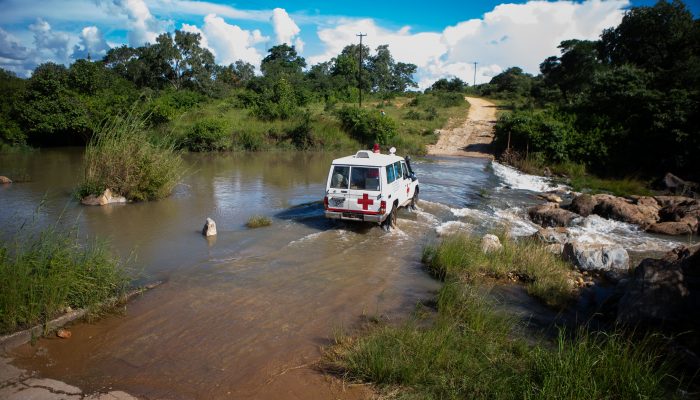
x=408 y=188
x=365 y=201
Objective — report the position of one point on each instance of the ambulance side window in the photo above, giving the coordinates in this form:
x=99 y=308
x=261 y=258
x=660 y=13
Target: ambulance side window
x=397 y=167
x=339 y=178
x=390 y=175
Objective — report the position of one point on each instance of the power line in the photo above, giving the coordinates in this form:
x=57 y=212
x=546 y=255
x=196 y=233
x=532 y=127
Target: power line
x=359 y=84
x=475 y=62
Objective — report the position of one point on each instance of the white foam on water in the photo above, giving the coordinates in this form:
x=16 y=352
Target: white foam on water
x=434 y=204
x=519 y=225
x=306 y=238
x=450 y=227
x=595 y=229
x=515 y=179
x=429 y=218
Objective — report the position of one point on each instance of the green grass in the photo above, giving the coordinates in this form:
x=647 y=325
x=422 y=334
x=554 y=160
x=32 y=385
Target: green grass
x=258 y=221
x=42 y=274
x=546 y=275
x=470 y=350
x=123 y=158
x=242 y=131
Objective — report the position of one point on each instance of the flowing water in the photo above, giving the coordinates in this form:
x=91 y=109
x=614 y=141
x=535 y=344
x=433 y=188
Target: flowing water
x=245 y=314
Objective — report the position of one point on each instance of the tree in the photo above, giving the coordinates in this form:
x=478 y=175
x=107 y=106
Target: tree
x=282 y=60
x=403 y=77
x=573 y=71
x=512 y=81
x=453 y=85
x=237 y=74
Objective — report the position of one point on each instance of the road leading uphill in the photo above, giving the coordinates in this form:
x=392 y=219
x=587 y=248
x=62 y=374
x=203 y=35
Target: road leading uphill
x=474 y=137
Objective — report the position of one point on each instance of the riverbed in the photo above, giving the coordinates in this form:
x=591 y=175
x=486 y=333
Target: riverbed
x=246 y=313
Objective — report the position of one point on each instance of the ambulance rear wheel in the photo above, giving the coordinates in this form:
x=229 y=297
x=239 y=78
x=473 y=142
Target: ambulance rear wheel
x=394 y=217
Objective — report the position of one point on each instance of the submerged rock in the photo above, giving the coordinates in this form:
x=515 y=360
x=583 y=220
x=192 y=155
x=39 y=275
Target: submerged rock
x=551 y=215
x=209 y=228
x=611 y=259
x=105 y=198
x=550 y=197
x=664 y=291
x=490 y=243
x=4 y=180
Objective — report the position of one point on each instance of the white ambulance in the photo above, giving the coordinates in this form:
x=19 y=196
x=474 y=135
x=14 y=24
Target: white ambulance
x=370 y=187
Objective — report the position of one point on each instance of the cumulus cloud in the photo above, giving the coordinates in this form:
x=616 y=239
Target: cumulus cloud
x=509 y=35
x=286 y=29
x=92 y=43
x=142 y=25
x=10 y=48
x=230 y=43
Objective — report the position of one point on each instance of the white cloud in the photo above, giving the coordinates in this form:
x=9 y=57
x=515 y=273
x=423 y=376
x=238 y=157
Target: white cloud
x=51 y=45
x=10 y=48
x=91 y=43
x=509 y=35
x=143 y=26
x=230 y=43
x=285 y=29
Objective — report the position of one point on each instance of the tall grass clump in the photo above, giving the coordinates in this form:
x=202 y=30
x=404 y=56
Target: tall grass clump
x=42 y=274
x=123 y=158
x=465 y=353
x=546 y=275
x=258 y=221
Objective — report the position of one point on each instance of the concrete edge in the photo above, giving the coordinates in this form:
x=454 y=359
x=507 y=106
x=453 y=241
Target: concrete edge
x=15 y=339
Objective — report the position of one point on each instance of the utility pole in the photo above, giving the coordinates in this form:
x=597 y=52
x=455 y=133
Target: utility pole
x=359 y=86
x=475 y=73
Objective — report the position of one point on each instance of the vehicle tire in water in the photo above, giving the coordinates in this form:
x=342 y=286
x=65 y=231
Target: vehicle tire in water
x=394 y=217
x=414 y=201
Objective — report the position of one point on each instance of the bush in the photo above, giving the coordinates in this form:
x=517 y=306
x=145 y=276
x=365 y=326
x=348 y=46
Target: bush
x=413 y=114
x=250 y=141
x=171 y=104
x=42 y=274
x=277 y=102
x=208 y=135
x=122 y=158
x=450 y=99
x=367 y=127
x=258 y=221
x=301 y=135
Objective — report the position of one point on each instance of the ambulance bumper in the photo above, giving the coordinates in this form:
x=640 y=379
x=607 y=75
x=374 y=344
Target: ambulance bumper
x=350 y=216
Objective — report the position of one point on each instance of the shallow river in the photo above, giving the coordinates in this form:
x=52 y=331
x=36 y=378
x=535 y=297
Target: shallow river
x=245 y=314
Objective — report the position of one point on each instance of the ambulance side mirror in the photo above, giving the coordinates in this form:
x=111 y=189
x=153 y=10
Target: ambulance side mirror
x=413 y=176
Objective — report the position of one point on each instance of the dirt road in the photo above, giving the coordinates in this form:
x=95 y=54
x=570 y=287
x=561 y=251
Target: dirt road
x=474 y=137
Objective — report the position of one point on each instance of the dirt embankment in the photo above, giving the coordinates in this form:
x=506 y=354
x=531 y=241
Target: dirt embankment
x=474 y=137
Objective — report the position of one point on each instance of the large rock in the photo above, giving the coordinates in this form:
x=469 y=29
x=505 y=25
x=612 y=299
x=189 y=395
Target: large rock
x=4 y=180
x=558 y=235
x=551 y=215
x=679 y=210
x=583 y=205
x=490 y=243
x=610 y=259
x=664 y=292
x=550 y=197
x=675 y=184
x=665 y=201
x=107 y=197
x=673 y=228
x=622 y=209
x=209 y=228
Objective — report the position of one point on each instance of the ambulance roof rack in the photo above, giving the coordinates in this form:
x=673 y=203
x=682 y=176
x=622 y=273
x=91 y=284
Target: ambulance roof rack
x=362 y=154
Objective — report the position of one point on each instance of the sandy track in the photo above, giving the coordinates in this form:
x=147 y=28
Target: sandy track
x=474 y=137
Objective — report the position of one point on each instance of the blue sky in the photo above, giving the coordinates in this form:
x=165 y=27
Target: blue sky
x=442 y=38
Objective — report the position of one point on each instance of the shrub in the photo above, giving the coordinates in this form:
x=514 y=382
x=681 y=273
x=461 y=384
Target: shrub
x=301 y=135
x=277 y=102
x=171 y=104
x=122 y=158
x=450 y=99
x=42 y=274
x=249 y=141
x=413 y=114
x=258 y=221
x=208 y=135
x=366 y=126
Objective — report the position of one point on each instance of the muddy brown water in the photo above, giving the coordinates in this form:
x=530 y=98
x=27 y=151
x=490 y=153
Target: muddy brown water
x=243 y=315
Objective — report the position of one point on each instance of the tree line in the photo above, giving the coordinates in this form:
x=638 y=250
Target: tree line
x=61 y=105
x=625 y=104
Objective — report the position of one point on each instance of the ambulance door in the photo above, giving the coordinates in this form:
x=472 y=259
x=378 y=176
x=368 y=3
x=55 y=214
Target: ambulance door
x=364 y=193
